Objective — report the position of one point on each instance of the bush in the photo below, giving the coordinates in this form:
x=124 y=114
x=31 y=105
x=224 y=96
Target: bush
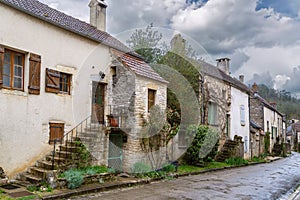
x=95 y=170
x=74 y=178
x=168 y=168
x=204 y=145
x=236 y=161
x=141 y=168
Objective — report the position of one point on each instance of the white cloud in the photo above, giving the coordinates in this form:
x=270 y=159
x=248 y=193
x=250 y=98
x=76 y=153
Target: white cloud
x=258 y=41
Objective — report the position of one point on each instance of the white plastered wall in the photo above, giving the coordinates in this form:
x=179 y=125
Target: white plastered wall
x=24 y=119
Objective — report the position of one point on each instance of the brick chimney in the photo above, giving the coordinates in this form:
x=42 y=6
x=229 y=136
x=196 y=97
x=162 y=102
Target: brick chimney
x=242 y=78
x=223 y=64
x=98 y=14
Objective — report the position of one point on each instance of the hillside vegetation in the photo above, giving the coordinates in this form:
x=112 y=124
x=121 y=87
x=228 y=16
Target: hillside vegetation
x=286 y=103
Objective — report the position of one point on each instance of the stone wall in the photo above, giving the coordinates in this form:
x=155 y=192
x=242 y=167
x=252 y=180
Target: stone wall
x=218 y=92
x=257 y=111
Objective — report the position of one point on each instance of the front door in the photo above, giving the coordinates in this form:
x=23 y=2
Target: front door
x=98 y=102
x=115 y=151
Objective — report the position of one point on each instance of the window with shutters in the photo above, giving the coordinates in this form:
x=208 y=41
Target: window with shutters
x=12 y=69
x=56 y=132
x=58 y=82
x=151 y=98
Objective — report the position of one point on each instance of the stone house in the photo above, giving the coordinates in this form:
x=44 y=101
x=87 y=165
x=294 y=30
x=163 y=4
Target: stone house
x=293 y=136
x=56 y=72
x=226 y=104
x=265 y=115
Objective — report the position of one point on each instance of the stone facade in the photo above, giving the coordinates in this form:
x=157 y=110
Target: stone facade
x=217 y=91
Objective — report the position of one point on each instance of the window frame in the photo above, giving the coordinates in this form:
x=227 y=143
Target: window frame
x=242 y=115
x=215 y=114
x=65 y=83
x=12 y=66
x=151 y=102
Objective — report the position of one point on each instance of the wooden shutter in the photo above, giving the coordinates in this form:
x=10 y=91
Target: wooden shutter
x=56 y=132
x=52 y=81
x=34 y=74
x=1 y=65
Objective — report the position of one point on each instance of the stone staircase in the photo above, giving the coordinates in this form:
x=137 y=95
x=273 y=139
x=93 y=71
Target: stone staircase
x=228 y=150
x=68 y=155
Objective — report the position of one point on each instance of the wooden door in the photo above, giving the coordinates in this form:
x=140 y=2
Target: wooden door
x=56 y=132
x=98 y=104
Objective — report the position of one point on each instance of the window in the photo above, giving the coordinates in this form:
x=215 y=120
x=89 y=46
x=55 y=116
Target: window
x=227 y=130
x=182 y=140
x=58 y=82
x=213 y=114
x=65 y=83
x=274 y=132
x=151 y=98
x=13 y=70
x=56 y=132
x=268 y=126
x=242 y=115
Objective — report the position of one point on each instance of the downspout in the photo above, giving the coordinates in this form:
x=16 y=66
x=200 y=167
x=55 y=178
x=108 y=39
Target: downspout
x=250 y=138
x=202 y=98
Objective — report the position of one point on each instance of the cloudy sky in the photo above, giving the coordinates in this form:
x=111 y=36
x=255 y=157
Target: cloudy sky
x=262 y=37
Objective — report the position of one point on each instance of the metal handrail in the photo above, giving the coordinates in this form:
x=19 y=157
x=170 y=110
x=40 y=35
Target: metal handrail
x=68 y=136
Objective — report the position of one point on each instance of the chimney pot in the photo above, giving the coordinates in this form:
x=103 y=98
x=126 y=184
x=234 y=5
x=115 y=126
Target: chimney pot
x=223 y=64
x=242 y=78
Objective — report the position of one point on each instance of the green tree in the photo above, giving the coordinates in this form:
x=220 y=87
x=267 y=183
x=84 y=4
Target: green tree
x=148 y=44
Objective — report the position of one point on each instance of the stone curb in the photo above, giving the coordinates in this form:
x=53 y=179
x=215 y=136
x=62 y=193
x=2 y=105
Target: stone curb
x=117 y=185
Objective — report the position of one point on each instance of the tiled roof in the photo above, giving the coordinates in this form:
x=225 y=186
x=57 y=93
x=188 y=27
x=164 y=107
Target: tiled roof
x=255 y=125
x=296 y=127
x=267 y=104
x=138 y=66
x=57 y=18
x=215 y=72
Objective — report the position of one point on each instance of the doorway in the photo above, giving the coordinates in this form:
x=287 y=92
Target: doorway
x=98 y=105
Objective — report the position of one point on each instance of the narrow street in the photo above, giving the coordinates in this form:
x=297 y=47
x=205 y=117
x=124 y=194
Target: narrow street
x=263 y=181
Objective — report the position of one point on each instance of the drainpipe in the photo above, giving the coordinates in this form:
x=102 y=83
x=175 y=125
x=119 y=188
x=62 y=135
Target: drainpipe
x=202 y=98
x=250 y=138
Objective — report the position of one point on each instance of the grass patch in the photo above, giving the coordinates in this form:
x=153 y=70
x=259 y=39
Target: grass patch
x=27 y=197
x=189 y=168
x=91 y=170
x=211 y=165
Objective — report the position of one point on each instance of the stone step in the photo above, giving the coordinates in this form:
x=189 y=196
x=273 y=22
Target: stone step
x=39 y=172
x=32 y=178
x=45 y=164
x=70 y=148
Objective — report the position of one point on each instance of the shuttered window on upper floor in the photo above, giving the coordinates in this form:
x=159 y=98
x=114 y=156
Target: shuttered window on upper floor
x=58 y=82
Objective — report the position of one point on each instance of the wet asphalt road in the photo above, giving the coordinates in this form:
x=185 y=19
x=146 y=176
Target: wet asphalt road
x=263 y=181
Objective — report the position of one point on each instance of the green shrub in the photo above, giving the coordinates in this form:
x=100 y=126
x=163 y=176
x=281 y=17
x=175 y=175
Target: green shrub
x=267 y=142
x=236 y=161
x=204 y=145
x=141 y=168
x=74 y=178
x=168 y=168
x=94 y=170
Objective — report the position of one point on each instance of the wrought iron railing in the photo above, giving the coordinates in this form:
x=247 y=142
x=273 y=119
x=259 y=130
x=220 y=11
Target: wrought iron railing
x=67 y=140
